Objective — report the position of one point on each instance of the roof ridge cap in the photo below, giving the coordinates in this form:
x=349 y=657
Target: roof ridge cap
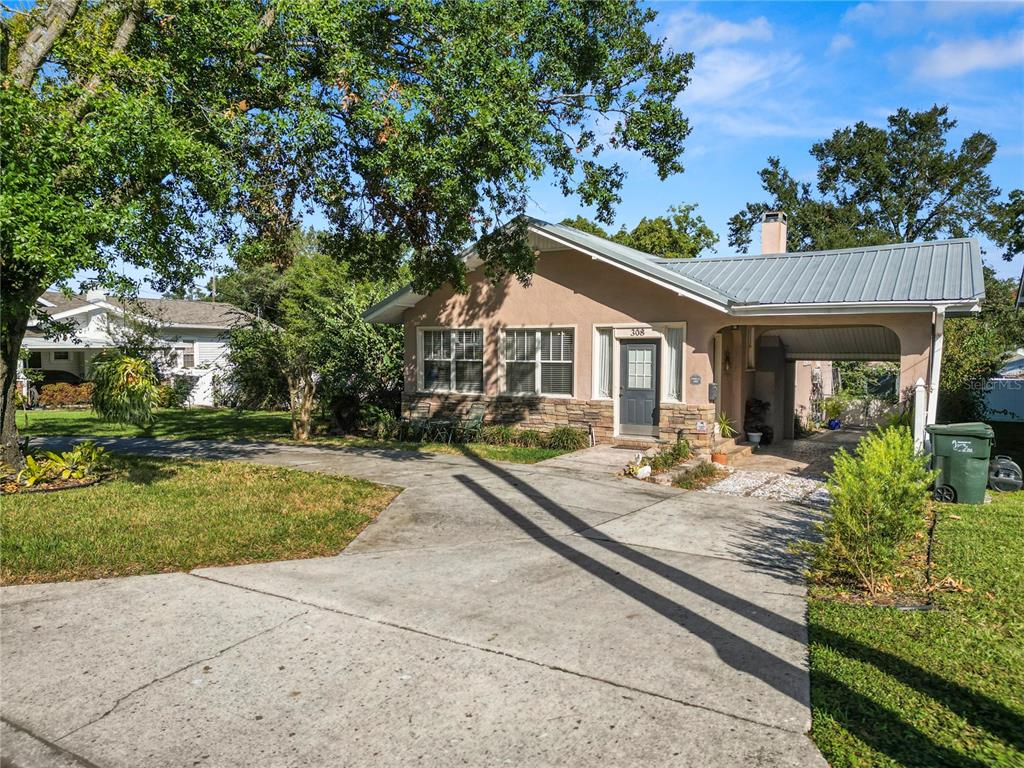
x=820 y=252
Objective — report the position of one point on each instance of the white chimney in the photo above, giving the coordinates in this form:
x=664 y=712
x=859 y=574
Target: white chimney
x=773 y=232
x=95 y=294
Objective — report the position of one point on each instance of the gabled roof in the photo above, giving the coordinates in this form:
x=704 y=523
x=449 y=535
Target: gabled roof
x=903 y=275
x=170 y=312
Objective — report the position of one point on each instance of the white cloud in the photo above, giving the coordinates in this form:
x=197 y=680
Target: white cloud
x=792 y=122
x=687 y=29
x=722 y=74
x=898 y=17
x=956 y=58
x=864 y=12
x=839 y=44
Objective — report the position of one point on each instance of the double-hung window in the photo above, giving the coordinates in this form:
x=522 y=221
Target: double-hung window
x=453 y=360
x=539 y=361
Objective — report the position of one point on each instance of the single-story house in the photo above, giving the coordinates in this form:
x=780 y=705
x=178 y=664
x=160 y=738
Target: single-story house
x=190 y=336
x=628 y=344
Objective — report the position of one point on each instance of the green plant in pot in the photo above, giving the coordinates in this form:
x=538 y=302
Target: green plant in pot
x=723 y=431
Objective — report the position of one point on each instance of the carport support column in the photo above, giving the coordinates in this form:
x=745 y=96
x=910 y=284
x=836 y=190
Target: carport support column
x=936 y=367
x=919 y=414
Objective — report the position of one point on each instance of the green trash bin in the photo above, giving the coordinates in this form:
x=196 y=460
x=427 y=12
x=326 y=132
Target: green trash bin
x=961 y=454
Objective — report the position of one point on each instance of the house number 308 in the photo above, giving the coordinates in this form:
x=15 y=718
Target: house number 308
x=637 y=331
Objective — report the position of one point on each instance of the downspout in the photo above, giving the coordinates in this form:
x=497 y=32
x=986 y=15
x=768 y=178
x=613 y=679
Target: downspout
x=936 y=367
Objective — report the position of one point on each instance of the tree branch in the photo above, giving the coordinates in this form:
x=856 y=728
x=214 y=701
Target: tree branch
x=124 y=34
x=40 y=40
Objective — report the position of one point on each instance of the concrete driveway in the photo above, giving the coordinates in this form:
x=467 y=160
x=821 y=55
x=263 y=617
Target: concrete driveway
x=493 y=615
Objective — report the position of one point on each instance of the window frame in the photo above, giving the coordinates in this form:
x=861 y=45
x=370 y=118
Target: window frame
x=421 y=387
x=537 y=362
x=65 y=355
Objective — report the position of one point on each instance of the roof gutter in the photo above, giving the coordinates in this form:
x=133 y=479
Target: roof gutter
x=854 y=308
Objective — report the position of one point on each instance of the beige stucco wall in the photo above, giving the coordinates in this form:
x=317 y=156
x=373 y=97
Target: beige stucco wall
x=804 y=374
x=573 y=290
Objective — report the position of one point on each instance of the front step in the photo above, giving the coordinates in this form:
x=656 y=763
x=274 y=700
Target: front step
x=731 y=448
x=637 y=442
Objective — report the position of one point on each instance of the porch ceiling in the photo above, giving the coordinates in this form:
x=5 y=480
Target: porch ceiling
x=864 y=342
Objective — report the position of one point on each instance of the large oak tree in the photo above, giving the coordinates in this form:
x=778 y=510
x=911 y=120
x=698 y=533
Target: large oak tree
x=147 y=132
x=900 y=183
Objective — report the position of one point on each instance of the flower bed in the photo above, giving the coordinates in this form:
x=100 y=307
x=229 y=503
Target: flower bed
x=83 y=465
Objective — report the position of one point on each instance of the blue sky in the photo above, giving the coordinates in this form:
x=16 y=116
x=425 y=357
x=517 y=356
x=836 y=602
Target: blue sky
x=773 y=78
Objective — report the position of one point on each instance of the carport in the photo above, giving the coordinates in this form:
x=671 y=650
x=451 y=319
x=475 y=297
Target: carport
x=782 y=348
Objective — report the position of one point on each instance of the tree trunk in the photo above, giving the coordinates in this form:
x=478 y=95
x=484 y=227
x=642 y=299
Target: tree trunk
x=39 y=42
x=13 y=323
x=302 y=393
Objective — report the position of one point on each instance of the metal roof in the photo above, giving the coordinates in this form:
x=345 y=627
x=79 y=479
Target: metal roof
x=939 y=271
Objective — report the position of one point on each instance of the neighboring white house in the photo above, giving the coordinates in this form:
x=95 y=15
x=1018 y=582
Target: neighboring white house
x=192 y=337
x=1004 y=393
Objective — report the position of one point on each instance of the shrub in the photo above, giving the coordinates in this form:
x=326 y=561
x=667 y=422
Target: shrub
x=83 y=460
x=835 y=405
x=879 y=495
x=670 y=455
x=497 y=434
x=530 y=438
x=700 y=476
x=379 y=423
x=63 y=394
x=568 y=438
x=126 y=388
x=177 y=392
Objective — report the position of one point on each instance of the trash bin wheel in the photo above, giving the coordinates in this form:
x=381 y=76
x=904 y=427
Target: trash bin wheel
x=944 y=493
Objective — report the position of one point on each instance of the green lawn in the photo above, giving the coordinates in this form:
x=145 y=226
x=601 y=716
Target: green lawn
x=937 y=688
x=162 y=515
x=194 y=423
x=229 y=424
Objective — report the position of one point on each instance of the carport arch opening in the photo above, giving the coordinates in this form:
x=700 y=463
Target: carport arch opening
x=758 y=362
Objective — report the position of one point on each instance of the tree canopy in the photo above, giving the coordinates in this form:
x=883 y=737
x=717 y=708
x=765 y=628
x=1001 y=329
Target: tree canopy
x=138 y=132
x=874 y=185
x=308 y=342
x=680 y=234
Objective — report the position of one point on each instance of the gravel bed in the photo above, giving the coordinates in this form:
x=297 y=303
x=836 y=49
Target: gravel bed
x=771 y=485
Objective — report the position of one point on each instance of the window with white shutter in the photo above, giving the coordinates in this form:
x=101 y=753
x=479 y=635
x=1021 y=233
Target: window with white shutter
x=452 y=360
x=539 y=361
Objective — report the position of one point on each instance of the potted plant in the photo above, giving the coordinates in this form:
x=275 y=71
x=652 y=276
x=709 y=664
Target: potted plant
x=755 y=422
x=724 y=430
x=833 y=408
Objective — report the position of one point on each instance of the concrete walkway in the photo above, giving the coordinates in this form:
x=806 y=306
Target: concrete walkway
x=493 y=615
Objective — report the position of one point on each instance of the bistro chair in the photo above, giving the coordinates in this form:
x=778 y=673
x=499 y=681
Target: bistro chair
x=416 y=423
x=469 y=428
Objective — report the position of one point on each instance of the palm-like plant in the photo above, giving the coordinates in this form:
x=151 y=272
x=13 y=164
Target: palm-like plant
x=126 y=388
x=724 y=426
